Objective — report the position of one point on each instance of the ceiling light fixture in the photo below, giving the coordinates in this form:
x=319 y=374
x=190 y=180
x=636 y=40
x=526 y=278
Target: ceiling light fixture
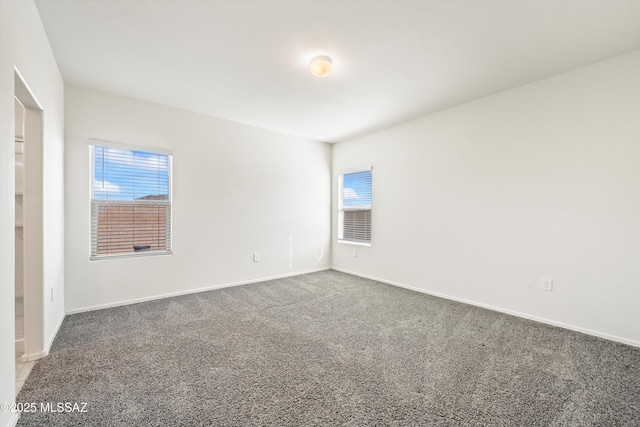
x=320 y=66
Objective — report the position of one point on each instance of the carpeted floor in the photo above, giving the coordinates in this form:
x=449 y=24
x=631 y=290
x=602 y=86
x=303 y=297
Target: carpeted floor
x=328 y=349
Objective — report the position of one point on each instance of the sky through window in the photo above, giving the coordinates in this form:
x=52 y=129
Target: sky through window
x=357 y=189
x=130 y=175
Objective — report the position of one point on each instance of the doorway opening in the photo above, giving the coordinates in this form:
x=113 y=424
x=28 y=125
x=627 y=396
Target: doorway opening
x=29 y=286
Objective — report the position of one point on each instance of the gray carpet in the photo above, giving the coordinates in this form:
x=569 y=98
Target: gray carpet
x=328 y=349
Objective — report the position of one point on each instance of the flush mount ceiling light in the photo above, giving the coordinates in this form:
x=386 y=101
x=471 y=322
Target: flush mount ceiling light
x=320 y=66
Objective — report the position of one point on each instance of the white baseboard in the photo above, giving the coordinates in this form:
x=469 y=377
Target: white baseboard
x=192 y=291
x=40 y=354
x=34 y=356
x=53 y=335
x=19 y=346
x=500 y=309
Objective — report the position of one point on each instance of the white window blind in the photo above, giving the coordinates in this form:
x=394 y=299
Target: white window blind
x=130 y=203
x=354 y=216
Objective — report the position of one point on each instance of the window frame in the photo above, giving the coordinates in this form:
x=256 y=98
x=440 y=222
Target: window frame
x=93 y=256
x=341 y=207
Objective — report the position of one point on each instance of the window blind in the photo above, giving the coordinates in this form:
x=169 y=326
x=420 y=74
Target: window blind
x=354 y=216
x=130 y=203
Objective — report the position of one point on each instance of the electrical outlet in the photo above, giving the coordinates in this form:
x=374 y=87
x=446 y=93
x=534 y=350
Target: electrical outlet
x=355 y=252
x=256 y=257
x=52 y=294
x=546 y=283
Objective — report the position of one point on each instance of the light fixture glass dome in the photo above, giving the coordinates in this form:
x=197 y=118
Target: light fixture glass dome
x=320 y=66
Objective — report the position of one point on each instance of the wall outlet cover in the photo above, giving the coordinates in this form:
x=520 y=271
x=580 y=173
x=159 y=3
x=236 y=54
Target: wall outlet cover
x=546 y=283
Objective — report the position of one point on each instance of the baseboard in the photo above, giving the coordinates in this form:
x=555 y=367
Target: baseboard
x=499 y=309
x=40 y=354
x=192 y=291
x=54 y=334
x=34 y=356
x=19 y=346
x=15 y=416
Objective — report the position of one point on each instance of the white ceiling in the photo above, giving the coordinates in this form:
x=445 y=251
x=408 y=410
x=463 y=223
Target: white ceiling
x=247 y=61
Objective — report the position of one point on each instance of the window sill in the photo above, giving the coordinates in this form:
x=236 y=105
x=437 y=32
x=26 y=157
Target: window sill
x=349 y=242
x=129 y=255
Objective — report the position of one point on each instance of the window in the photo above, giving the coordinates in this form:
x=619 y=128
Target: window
x=354 y=217
x=130 y=202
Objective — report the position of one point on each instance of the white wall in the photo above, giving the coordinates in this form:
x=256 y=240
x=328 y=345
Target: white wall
x=24 y=45
x=237 y=190
x=478 y=201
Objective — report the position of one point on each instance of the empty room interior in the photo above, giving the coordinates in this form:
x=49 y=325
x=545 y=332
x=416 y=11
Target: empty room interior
x=316 y=213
